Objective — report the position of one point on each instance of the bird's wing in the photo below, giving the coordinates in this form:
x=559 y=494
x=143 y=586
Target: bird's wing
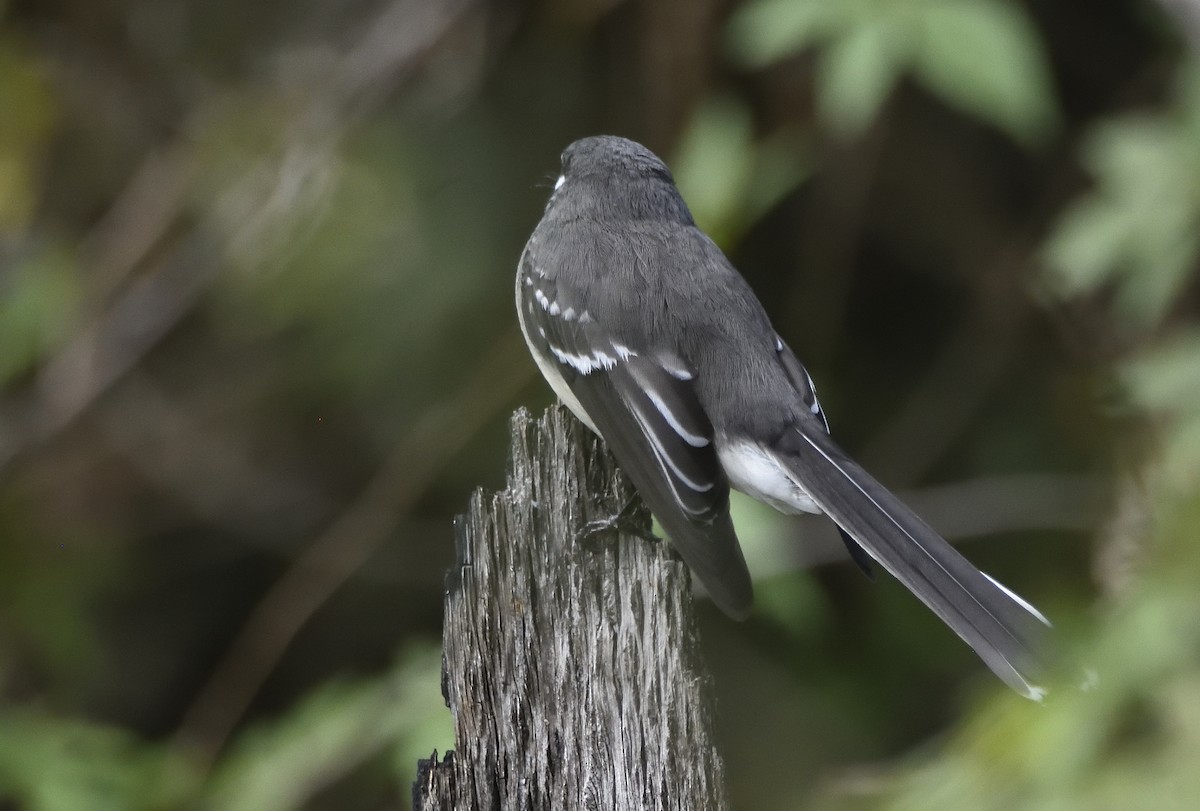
x=803 y=384
x=801 y=380
x=644 y=405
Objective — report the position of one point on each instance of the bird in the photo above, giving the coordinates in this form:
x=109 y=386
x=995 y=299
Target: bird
x=649 y=335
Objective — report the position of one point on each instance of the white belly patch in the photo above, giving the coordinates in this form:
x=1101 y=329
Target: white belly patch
x=760 y=475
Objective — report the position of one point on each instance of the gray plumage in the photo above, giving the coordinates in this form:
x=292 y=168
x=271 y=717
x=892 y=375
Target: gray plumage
x=648 y=333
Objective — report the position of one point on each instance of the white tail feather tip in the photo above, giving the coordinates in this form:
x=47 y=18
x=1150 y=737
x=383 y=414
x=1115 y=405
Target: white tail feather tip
x=1019 y=600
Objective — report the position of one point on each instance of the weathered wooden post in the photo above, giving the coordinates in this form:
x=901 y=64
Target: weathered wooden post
x=572 y=669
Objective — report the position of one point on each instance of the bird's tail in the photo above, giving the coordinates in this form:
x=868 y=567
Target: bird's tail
x=1006 y=631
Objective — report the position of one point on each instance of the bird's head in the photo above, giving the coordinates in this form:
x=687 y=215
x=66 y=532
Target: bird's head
x=606 y=177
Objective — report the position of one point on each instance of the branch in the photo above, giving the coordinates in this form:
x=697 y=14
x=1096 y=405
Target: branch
x=572 y=669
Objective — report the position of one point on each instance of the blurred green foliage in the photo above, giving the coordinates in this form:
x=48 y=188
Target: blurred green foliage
x=39 y=303
x=29 y=114
x=257 y=347
x=1140 y=226
x=982 y=56
x=62 y=763
x=333 y=734
x=730 y=181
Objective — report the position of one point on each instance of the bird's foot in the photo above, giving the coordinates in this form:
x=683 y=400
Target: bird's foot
x=629 y=520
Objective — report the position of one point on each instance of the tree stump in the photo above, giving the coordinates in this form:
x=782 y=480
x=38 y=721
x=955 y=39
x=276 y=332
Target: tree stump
x=571 y=667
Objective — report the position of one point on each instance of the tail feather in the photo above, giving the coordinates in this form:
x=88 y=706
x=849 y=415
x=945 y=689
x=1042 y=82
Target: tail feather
x=1005 y=630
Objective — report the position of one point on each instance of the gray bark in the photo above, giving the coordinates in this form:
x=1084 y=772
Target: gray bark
x=572 y=668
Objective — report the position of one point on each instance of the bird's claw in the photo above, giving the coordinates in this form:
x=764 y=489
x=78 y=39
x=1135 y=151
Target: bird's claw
x=629 y=520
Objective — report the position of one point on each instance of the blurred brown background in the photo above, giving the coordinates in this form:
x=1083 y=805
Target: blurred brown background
x=257 y=347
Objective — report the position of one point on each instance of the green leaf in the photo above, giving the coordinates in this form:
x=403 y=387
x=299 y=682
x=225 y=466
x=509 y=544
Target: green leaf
x=1168 y=378
x=759 y=529
x=714 y=161
x=1165 y=382
x=1187 y=98
x=857 y=73
x=28 y=114
x=333 y=732
x=1080 y=254
x=38 y=301
x=727 y=178
x=794 y=602
x=762 y=32
x=1181 y=457
x=53 y=764
x=1170 y=252
x=1140 y=228
x=783 y=162
x=985 y=57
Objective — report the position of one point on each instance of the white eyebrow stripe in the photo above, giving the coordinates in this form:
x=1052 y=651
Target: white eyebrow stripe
x=558 y=183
